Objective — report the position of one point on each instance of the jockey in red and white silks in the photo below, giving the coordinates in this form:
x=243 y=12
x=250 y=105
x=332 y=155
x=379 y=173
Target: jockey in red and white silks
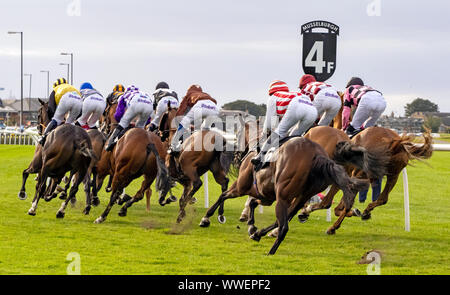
x=324 y=97
x=300 y=115
x=369 y=104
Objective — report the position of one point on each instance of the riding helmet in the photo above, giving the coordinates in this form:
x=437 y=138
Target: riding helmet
x=162 y=85
x=60 y=81
x=86 y=85
x=119 y=88
x=355 y=81
x=276 y=86
x=305 y=80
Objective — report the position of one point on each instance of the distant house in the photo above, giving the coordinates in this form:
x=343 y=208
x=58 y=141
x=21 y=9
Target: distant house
x=401 y=124
x=445 y=119
x=11 y=110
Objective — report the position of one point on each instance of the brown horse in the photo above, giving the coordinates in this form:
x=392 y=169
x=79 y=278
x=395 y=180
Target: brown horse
x=401 y=151
x=107 y=121
x=201 y=152
x=301 y=170
x=137 y=153
x=67 y=148
x=36 y=162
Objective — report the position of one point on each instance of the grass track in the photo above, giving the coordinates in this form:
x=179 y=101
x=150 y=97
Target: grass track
x=150 y=243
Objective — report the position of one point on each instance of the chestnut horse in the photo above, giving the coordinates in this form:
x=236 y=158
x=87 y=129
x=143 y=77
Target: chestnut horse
x=401 y=150
x=137 y=153
x=301 y=170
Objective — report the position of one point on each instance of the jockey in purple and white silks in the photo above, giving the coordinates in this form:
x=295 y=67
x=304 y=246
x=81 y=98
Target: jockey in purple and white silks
x=93 y=106
x=369 y=104
x=163 y=98
x=300 y=114
x=133 y=103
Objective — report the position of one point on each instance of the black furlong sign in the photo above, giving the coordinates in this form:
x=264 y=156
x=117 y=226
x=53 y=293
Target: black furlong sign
x=319 y=49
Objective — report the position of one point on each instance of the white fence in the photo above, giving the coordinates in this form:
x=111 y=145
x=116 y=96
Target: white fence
x=27 y=137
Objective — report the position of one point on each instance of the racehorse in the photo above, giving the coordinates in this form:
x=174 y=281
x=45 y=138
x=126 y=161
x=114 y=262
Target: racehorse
x=137 y=153
x=67 y=148
x=107 y=121
x=301 y=170
x=203 y=151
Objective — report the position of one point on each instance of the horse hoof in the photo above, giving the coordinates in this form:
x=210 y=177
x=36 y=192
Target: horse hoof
x=31 y=212
x=60 y=214
x=303 y=217
x=73 y=202
x=356 y=212
x=255 y=237
x=99 y=220
x=122 y=213
x=252 y=229
x=22 y=196
x=243 y=218
x=205 y=222
x=63 y=196
x=274 y=233
x=172 y=199
x=108 y=189
x=331 y=231
x=222 y=219
x=366 y=216
x=87 y=210
x=193 y=200
x=95 y=201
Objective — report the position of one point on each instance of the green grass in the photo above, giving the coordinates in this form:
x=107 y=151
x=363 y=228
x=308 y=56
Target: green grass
x=150 y=243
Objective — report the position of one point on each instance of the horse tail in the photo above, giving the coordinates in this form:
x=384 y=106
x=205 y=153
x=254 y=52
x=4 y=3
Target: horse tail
x=162 y=177
x=373 y=162
x=328 y=170
x=86 y=150
x=226 y=159
x=416 y=152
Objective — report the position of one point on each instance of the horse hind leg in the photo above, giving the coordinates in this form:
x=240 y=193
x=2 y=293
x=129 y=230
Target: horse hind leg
x=139 y=196
x=324 y=204
x=383 y=198
x=79 y=177
x=40 y=190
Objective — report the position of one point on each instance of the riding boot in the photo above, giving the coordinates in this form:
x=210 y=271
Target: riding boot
x=177 y=140
x=77 y=123
x=351 y=131
x=111 y=141
x=52 y=125
x=257 y=161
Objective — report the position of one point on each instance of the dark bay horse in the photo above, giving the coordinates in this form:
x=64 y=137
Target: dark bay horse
x=301 y=170
x=203 y=151
x=137 y=153
x=67 y=149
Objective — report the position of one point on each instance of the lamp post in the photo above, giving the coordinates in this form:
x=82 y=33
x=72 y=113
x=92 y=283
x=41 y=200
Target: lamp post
x=29 y=95
x=48 y=81
x=21 y=74
x=71 y=66
x=65 y=64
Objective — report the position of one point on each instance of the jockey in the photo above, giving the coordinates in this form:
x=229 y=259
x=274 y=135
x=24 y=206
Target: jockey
x=300 y=112
x=195 y=103
x=118 y=90
x=369 y=104
x=93 y=106
x=163 y=97
x=133 y=103
x=324 y=97
x=64 y=99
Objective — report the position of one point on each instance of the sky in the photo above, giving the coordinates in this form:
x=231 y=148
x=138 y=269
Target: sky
x=233 y=49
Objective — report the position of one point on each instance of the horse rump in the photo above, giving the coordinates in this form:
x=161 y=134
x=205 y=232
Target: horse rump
x=373 y=162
